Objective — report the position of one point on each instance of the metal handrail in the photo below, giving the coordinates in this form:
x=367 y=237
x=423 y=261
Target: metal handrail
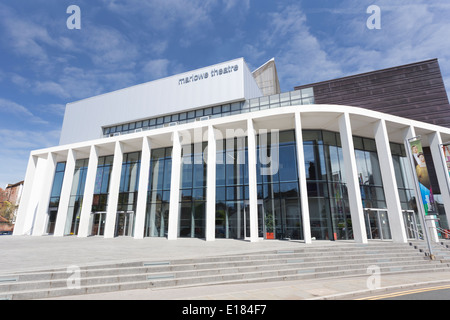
x=417 y=233
x=441 y=230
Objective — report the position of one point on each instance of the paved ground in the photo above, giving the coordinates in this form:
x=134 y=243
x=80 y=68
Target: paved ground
x=31 y=253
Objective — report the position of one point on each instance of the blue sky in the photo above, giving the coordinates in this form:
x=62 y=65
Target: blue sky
x=44 y=65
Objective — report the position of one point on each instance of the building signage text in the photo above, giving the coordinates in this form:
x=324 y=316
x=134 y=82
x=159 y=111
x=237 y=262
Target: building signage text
x=205 y=75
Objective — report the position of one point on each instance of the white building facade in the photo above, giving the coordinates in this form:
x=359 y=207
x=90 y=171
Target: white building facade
x=205 y=154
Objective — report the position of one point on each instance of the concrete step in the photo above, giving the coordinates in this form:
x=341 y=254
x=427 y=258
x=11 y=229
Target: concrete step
x=143 y=274
x=214 y=280
x=304 y=263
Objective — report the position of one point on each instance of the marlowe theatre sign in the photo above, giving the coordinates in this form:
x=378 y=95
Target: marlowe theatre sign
x=205 y=75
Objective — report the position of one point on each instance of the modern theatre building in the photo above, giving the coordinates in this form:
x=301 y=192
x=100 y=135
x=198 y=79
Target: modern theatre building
x=220 y=152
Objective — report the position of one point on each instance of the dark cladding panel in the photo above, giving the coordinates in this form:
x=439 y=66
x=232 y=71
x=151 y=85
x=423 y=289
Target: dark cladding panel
x=415 y=91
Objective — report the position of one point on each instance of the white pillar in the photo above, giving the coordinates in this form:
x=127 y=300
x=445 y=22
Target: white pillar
x=354 y=192
x=45 y=193
x=66 y=189
x=252 y=182
x=174 y=206
x=394 y=207
x=211 y=186
x=114 y=186
x=24 y=219
x=88 y=195
x=141 y=205
x=441 y=170
x=302 y=179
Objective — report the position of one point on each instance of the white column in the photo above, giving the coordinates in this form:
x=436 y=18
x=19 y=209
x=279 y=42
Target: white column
x=174 y=206
x=66 y=189
x=24 y=219
x=394 y=207
x=302 y=179
x=354 y=192
x=45 y=193
x=441 y=170
x=88 y=195
x=141 y=205
x=211 y=187
x=252 y=182
x=114 y=186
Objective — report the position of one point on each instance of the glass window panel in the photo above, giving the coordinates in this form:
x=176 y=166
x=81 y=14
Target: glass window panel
x=191 y=115
x=307 y=93
x=235 y=106
x=264 y=101
x=312 y=135
x=220 y=194
x=369 y=145
x=285 y=97
x=274 y=98
x=254 y=102
x=329 y=138
x=217 y=110
x=295 y=95
x=287 y=163
x=358 y=143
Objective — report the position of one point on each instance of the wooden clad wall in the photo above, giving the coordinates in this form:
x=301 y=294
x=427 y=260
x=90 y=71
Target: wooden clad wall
x=414 y=91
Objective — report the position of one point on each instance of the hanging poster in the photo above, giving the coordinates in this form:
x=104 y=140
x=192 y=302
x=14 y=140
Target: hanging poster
x=423 y=177
x=446 y=149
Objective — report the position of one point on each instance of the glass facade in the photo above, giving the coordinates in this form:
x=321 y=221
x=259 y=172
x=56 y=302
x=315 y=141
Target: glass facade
x=128 y=191
x=158 y=197
x=369 y=173
x=278 y=199
x=192 y=215
x=279 y=210
x=232 y=189
x=76 y=197
x=327 y=190
x=101 y=191
x=55 y=196
x=405 y=183
x=296 y=97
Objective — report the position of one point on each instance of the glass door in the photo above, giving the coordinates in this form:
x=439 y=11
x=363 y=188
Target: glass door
x=98 y=221
x=51 y=220
x=261 y=225
x=125 y=223
x=377 y=224
x=411 y=228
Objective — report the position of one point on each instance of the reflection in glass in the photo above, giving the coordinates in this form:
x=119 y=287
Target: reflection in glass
x=327 y=191
x=158 y=196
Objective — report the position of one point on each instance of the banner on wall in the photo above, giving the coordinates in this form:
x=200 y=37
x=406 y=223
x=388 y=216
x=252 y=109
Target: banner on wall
x=423 y=177
x=446 y=150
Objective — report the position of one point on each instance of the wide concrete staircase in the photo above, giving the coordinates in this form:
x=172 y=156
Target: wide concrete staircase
x=441 y=249
x=306 y=262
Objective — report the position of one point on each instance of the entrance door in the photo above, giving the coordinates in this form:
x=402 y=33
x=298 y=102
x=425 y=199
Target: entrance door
x=411 y=227
x=377 y=224
x=52 y=213
x=125 y=223
x=261 y=224
x=98 y=221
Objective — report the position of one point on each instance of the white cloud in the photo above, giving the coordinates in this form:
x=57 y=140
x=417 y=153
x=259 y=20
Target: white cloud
x=16 y=148
x=299 y=55
x=12 y=108
x=156 y=69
